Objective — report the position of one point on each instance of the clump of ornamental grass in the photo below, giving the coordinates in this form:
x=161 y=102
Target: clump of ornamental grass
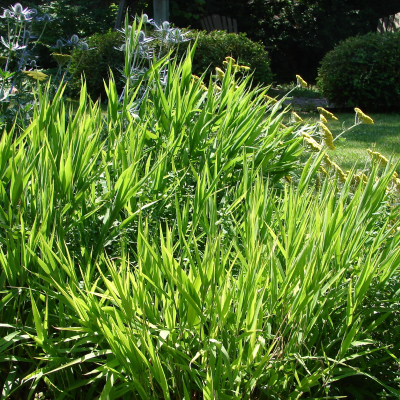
x=165 y=252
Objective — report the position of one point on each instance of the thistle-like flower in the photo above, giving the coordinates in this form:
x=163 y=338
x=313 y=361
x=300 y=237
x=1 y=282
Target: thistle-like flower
x=220 y=74
x=74 y=40
x=301 y=82
x=326 y=113
x=363 y=117
x=327 y=136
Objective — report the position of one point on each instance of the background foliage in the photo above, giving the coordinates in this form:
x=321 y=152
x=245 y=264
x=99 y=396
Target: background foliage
x=363 y=71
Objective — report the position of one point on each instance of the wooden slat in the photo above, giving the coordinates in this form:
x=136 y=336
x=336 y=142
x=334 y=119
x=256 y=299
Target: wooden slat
x=210 y=24
x=235 y=28
x=230 y=26
x=203 y=25
x=217 y=22
x=224 y=24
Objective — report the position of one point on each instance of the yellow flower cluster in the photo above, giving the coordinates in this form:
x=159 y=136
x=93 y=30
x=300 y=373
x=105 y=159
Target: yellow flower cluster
x=363 y=117
x=296 y=117
x=37 y=75
x=360 y=177
x=331 y=164
x=301 y=82
x=323 y=119
x=220 y=74
x=327 y=136
x=326 y=113
x=217 y=88
x=62 y=59
x=378 y=158
x=236 y=67
x=312 y=143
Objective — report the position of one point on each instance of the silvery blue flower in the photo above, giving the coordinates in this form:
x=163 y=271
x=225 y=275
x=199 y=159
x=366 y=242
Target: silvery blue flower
x=145 y=18
x=74 y=39
x=84 y=46
x=165 y=25
x=17 y=9
x=6 y=14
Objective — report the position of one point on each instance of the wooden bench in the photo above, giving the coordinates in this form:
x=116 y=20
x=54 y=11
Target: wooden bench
x=389 y=24
x=216 y=22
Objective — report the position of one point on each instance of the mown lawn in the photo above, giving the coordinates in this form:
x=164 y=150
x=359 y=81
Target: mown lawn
x=383 y=136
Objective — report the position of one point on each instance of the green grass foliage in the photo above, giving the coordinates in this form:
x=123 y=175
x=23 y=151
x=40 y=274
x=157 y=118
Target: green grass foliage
x=363 y=71
x=156 y=253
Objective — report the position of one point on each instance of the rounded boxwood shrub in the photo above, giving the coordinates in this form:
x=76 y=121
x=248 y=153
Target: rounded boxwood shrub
x=363 y=71
x=213 y=47
x=96 y=63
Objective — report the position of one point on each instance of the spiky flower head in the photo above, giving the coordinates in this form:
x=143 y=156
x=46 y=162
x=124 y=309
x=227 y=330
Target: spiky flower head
x=296 y=117
x=301 y=82
x=326 y=113
x=327 y=136
x=6 y=14
x=46 y=18
x=165 y=25
x=37 y=75
x=323 y=119
x=145 y=18
x=363 y=117
x=220 y=74
x=141 y=37
x=84 y=46
x=17 y=9
x=74 y=39
x=33 y=64
x=59 y=43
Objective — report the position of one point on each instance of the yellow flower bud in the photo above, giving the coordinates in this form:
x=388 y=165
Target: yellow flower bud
x=326 y=113
x=301 y=82
x=327 y=136
x=363 y=117
x=270 y=99
x=378 y=158
x=323 y=119
x=296 y=117
x=220 y=73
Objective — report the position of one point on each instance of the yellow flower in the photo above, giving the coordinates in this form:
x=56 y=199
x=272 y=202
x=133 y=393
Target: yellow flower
x=296 y=117
x=37 y=75
x=396 y=183
x=327 y=136
x=204 y=87
x=195 y=78
x=313 y=145
x=323 y=119
x=360 y=177
x=220 y=73
x=363 y=117
x=331 y=164
x=217 y=88
x=244 y=68
x=225 y=63
x=301 y=82
x=230 y=59
x=270 y=99
x=326 y=113
x=62 y=59
x=378 y=158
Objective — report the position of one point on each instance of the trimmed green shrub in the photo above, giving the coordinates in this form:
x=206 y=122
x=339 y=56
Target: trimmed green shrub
x=363 y=71
x=96 y=63
x=212 y=48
